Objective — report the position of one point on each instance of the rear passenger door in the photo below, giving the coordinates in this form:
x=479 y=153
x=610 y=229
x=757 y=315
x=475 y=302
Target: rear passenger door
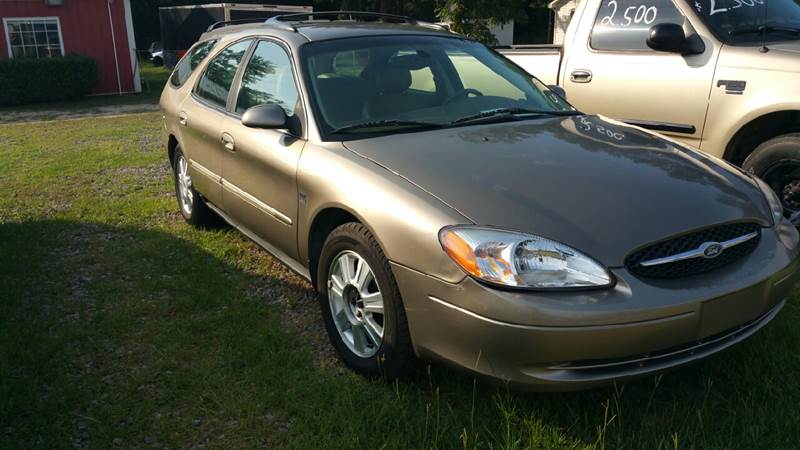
x=610 y=69
x=260 y=165
x=201 y=116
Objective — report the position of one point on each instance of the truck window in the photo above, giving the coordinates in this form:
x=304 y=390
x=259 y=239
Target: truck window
x=624 y=24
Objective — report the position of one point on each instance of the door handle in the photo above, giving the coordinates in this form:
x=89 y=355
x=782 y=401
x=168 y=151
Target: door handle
x=183 y=119
x=580 y=76
x=227 y=141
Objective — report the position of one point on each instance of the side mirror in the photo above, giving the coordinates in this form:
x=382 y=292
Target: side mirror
x=558 y=90
x=269 y=116
x=670 y=37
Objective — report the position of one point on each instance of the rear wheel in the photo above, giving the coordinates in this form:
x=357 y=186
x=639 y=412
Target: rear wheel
x=777 y=162
x=193 y=208
x=361 y=305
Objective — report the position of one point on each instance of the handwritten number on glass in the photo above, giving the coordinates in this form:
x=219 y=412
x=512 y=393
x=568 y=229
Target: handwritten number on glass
x=634 y=14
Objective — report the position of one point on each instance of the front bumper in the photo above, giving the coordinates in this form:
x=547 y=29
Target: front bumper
x=577 y=340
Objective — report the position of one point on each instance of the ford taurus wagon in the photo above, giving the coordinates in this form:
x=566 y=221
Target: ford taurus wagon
x=448 y=207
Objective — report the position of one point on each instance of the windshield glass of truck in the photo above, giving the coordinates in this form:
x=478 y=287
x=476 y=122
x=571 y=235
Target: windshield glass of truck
x=743 y=21
x=403 y=83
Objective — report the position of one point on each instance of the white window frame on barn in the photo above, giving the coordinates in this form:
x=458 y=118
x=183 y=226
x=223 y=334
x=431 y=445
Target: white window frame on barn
x=42 y=49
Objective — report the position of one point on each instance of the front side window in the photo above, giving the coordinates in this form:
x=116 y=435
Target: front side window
x=268 y=78
x=34 y=37
x=190 y=61
x=403 y=81
x=625 y=24
x=744 y=21
x=216 y=81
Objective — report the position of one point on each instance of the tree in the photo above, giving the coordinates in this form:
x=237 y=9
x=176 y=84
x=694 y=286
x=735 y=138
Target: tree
x=474 y=18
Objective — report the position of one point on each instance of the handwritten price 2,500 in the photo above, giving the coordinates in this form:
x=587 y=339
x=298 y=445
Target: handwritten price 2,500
x=739 y=4
x=636 y=14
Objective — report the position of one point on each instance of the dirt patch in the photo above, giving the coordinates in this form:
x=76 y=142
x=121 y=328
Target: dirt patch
x=98 y=111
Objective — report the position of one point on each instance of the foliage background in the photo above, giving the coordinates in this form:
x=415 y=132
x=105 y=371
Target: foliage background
x=66 y=78
x=469 y=17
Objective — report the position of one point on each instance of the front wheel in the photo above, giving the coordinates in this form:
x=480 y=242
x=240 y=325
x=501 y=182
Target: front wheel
x=777 y=162
x=361 y=304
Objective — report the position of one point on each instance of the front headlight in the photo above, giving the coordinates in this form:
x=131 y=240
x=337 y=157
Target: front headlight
x=521 y=260
x=773 y=201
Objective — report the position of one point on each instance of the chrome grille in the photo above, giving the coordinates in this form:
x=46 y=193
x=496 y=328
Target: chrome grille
x=682 y=256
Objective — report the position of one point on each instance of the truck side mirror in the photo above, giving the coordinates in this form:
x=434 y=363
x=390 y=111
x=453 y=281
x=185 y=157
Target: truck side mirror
x=670 y=37
x=269 y=116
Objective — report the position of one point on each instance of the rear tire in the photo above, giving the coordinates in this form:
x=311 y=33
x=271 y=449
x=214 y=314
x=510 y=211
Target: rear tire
x=191 y=204
x=777 y=162
x=353 y=276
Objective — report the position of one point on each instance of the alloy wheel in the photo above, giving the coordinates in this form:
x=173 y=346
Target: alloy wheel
x=784 y=178
x=356 y=303
x=185 y=194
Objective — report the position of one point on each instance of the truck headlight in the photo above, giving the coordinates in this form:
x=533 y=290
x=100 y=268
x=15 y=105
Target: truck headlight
x=774 y=202
x=521 y=260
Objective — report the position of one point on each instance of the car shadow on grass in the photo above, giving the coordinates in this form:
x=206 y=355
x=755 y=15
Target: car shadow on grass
x=128 y=336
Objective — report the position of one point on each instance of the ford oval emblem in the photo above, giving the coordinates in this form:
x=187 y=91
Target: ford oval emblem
x=712 y=250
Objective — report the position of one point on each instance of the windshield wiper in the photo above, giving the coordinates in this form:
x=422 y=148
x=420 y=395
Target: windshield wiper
x=504 y=113
x=391 y=123
x=764 y=29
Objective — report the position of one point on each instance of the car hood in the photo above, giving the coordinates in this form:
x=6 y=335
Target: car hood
x=602 y=187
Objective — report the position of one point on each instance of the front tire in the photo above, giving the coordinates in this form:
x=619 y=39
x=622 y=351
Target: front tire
x=777 y=162
x=192 y=206
x=361 y=304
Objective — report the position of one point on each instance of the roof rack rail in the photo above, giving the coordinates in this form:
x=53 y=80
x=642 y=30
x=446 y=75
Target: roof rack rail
x=283 y=21
x=225 y=23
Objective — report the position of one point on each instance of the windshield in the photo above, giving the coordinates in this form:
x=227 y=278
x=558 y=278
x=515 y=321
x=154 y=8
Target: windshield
x=385 y=84
x=742 y=21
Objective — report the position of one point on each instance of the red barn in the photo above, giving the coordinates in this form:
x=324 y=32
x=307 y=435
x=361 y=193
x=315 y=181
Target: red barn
x=100 y=29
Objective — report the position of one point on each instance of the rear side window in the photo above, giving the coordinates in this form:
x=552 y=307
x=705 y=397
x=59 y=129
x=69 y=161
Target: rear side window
x=624 y=24
x=190 y=61
x=216 y=81
x=268 y=78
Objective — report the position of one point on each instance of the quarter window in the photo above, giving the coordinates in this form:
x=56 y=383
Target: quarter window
x=268 y=78
x=624 y=24
x=216 y=81
x=190 y=61
x=34 y=37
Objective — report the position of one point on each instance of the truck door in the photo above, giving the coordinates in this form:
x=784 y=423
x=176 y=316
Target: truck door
x=610 y=70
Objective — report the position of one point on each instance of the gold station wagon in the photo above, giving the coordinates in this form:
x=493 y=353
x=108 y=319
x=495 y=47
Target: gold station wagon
x=447 y=206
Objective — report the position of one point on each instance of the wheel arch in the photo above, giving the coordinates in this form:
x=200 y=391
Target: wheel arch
x=759 y=130
x=172 y=144
x=324 y=221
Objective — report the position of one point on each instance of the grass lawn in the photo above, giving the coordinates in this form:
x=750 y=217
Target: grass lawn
x=121 y=326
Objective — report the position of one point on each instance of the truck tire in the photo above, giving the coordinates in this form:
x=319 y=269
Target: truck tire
x=361 y=304
x=777 y=162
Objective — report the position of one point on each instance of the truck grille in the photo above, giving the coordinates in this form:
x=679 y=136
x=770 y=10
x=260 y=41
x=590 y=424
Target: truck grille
x=654 y=261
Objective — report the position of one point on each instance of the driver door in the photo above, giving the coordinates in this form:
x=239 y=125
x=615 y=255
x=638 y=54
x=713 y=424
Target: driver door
x=259 y=165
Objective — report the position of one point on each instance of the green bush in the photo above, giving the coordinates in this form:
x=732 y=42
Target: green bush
x=29 y=80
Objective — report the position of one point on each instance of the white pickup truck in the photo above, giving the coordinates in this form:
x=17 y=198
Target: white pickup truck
x=720 y=75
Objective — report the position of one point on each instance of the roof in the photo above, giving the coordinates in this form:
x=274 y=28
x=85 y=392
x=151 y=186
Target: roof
x=318 y=30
